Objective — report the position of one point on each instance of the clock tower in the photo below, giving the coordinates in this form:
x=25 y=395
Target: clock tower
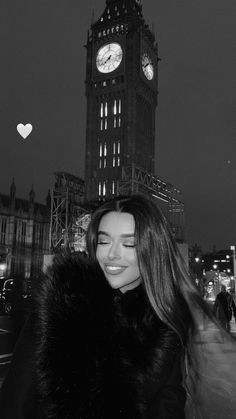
x=121 y=91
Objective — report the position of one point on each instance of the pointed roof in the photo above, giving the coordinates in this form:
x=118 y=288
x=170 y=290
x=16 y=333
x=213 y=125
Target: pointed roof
x=117 y=10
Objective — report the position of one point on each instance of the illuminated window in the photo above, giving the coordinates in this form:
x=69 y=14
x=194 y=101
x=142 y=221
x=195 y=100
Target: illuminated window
x=99 y=189
x=115 y=107
x=118 y=161
x=100 y=150
x=113 y=162
x=119 y=105
x=113 y=187
x=105 y=127
x=105 y=162
x=115 y=122
x=114 y=148
x=104 y=189
x=106 y=109
x=105 y=149
x=118 y=147
x=101 y=110
x=101 y=125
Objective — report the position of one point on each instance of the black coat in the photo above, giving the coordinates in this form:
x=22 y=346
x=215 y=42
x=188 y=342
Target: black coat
x=89 y=352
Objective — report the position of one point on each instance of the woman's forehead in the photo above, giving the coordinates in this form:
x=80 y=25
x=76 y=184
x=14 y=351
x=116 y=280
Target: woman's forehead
x=118 y=223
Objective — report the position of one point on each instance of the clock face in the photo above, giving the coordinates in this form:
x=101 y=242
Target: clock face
x=109 y=57
x=147 y=66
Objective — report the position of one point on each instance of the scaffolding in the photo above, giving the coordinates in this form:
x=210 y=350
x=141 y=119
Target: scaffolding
x=69 y=218
x=70 y=214
x=137 y=180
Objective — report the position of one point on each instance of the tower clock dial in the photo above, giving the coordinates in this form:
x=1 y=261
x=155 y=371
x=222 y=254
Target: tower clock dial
x=147 y=66
x=109 y=57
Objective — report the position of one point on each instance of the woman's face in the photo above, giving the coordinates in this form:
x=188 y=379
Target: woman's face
x=116 y=251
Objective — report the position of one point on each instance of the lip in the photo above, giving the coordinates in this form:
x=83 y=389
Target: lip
x=114 y=269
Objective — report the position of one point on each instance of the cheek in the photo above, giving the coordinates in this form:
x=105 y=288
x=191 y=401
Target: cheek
x=99 y=253
x=133 y=260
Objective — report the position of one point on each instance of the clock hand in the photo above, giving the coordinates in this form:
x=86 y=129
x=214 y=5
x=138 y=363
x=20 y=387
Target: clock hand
x=107 y=59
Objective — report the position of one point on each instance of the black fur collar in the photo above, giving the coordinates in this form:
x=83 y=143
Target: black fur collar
x=100 y=353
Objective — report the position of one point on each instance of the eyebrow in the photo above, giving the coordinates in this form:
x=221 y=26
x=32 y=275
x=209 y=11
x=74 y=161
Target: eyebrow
x=122 y=235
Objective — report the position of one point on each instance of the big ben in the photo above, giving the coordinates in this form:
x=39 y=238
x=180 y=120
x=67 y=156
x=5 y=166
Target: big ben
x=121 y=91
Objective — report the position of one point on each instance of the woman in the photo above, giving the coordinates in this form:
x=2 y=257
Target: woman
x=111 y=335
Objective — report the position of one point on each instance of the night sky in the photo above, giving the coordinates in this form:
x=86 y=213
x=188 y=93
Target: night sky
x=42 y=73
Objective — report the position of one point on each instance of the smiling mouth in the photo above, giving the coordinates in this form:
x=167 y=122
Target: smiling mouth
x=114 y=270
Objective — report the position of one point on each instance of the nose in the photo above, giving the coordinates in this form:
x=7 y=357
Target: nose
x=114 y=251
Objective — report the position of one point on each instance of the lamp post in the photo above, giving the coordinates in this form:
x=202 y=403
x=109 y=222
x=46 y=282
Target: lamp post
x=234 y=261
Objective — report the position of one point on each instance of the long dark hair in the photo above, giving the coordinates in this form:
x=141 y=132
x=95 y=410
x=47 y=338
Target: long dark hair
x=165 y=277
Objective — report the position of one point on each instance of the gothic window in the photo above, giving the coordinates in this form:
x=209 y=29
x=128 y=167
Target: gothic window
x=116 y=112
x=114 y=187
x=104 y=189
x=102 y=155
x=103 y=115
x=3 y=230
x=116 y=154
x=23 y=232
x=119 y=108
x=115 y=107
x=100 y=188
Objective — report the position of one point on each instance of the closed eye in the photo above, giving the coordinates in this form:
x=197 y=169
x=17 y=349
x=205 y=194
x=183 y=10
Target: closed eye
x=129 y=245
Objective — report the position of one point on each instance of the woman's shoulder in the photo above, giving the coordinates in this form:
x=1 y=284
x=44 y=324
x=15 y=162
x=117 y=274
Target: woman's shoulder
x=71 y=275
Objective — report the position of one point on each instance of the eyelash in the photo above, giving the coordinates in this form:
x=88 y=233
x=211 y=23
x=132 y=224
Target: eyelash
x=125 y=245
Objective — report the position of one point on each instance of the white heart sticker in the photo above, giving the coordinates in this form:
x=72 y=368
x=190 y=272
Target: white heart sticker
x=24 y=130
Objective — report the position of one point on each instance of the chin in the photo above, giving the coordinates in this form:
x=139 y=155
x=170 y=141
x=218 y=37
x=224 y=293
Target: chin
x=114 y=284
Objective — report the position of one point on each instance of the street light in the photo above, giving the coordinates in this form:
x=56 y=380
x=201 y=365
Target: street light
x=234 y=262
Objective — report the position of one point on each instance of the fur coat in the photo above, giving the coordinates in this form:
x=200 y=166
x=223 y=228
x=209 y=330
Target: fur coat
x=98 y=353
